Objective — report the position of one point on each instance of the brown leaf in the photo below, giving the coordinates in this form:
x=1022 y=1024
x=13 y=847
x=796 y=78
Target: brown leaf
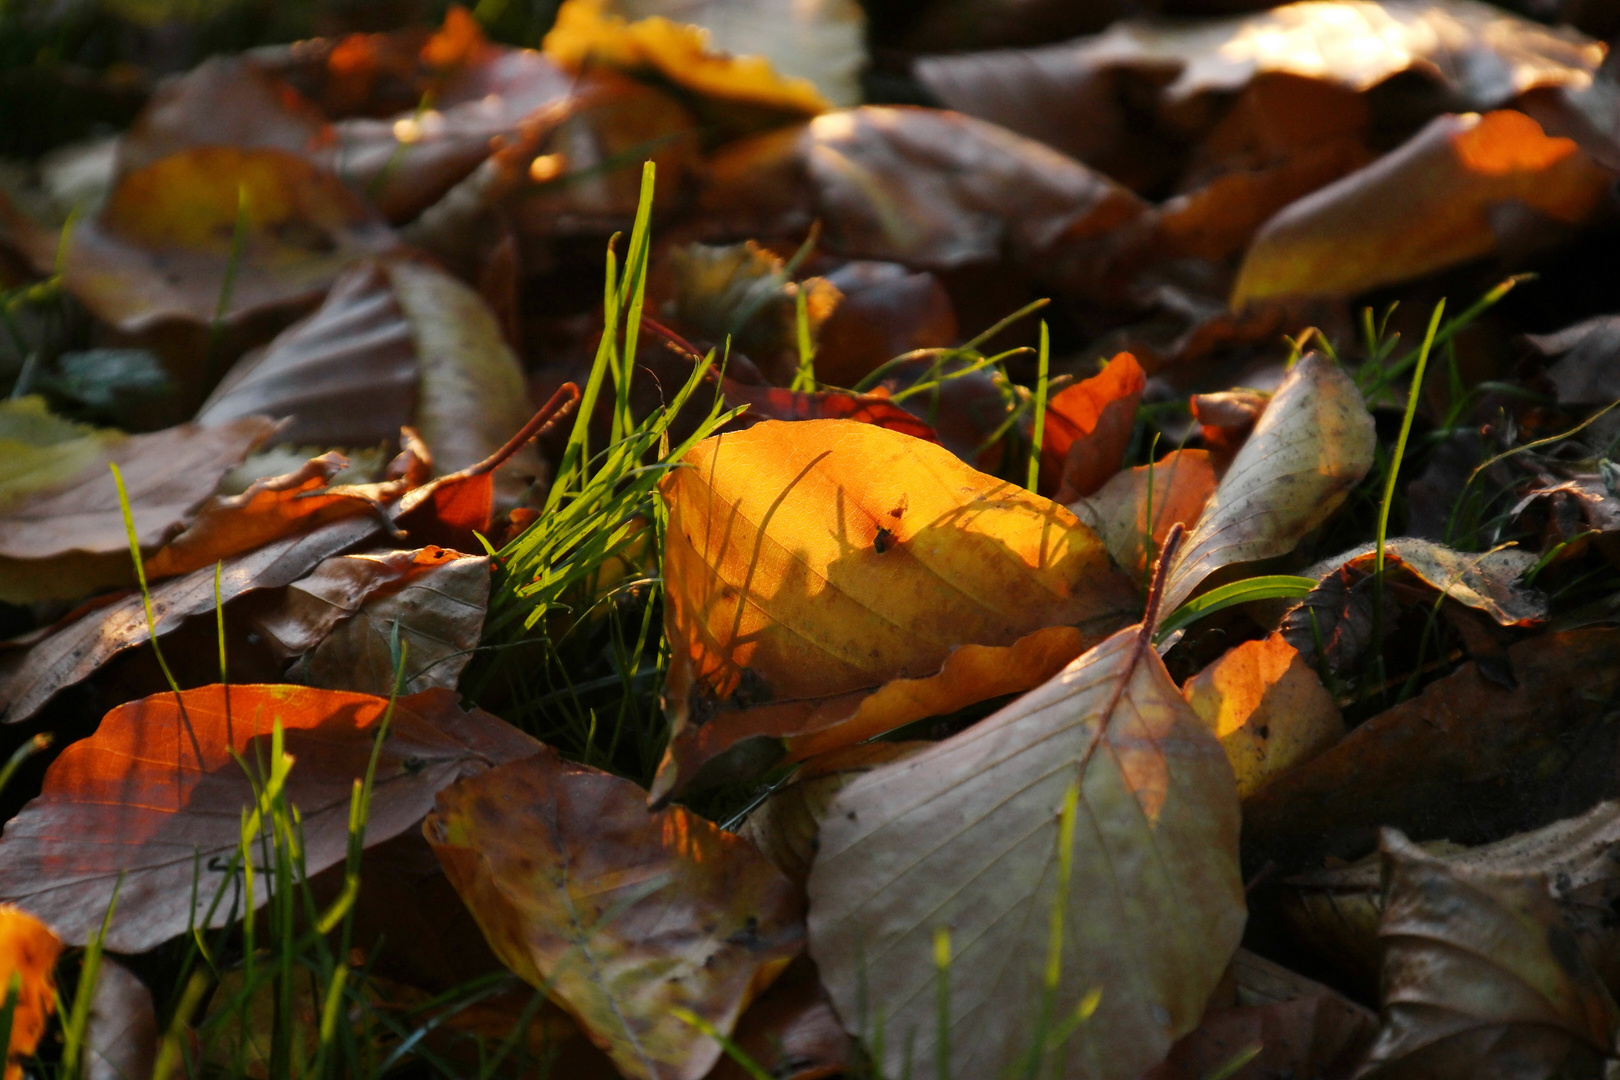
x=345 y=375
x=439 y=615
x=791 y=1031
x=161 y=247
x=1422 y=765
x=775 y=403
x=1285 y=1024
x=28 y=952
x=62 y=532
x=1268 y=708
x=1420 y=208
x=964 y=836
x=621 y=915
x=160 y=789
x=1088 y=429
x=1312 y=445
x=887 y=310
x=784 y=826
x=1481 y=975
x=809 y=564
x=796 y=57
x=72 y=653
x=121 y=1039
x=1585 y=373
x=922 y=187
x=1177 y=486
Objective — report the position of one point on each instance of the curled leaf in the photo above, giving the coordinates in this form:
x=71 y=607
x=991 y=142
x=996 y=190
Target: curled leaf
x=1137 y=508
x=1088 y=429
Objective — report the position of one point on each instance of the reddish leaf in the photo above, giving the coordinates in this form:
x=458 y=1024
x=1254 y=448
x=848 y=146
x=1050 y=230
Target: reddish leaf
x=156 y=795
x=1088 y=429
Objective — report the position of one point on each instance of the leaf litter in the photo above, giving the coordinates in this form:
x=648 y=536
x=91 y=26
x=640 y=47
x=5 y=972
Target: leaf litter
x=824 y=525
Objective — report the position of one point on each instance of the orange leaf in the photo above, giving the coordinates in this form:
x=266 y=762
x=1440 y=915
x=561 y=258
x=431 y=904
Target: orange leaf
x=618 y=914
x=156 y=795
x=1420 y=208
x=809 y=564
x=28 y=952
x=1268 y=708
x=1178 y=486
x=1088 y=429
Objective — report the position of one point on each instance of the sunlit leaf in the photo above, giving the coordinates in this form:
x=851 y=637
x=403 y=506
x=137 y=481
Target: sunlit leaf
x=1312 y=445
x=1177 y=486
x=828 y=581
x=1088 y=429
x=619 y=914
x=964 y=836
x=156 y=795
x=28 y=952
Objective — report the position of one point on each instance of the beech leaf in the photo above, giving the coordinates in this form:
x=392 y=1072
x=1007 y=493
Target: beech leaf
x=1088 y=429
x=620 y=915
x=156 y=795
x=28 y=952
x=829 y=580
x=1312 y=445
x=964 y=836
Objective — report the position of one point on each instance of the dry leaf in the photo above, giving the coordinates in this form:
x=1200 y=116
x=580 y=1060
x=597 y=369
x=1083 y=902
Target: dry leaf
x=28 y=952
x=161 y=247
x=345 y=375
x=1311 y=446
x=1067 y=94
x=619 y=914
x=62 y=532
x=1481 y=976
x=1268 y=708
x=438 y=614
x=886 y=310
x=88 y=640
x=791 y=1031
x=922 y=187
x=795 y=56
x=775 y=403
x=1088 y=429
x=964 y=836
x=809 y=564
x=1422 y=207
x=121 y=1039
x=156 y=795
x=1421 y=765
x=1585 y=373
x=1135 y=511
x=784 y=826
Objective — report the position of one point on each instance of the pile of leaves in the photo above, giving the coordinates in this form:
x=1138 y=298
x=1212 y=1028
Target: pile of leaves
x=1042 y=555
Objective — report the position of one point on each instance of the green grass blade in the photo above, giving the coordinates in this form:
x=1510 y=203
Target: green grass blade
x=1269 y=587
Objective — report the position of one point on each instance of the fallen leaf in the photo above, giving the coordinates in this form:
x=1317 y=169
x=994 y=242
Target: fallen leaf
x=775 y=403
x=1069 y=94
x=271 y=508
x=1137 y=508
x=797 y=57
x=619 y=915
x=121 y=1038
x=1088 y=429
x=73 y=653
x=438 y=614
x=1312 y=445
x=1225 y=420
x=156 y=794
x=1421 y=765
x=161 y=247
x=741 y=293
x=1480 y=969
x=930 y=189
x=964 y=836
x=1425 y=206
x=784 y=827
x=344 y=375
x=28 y=952
x=791 y=1031
x=887 y=310
x=62 y=532
x=809 y=564
x=1268 y=708
x=1584 y=373
x=1283 y=1024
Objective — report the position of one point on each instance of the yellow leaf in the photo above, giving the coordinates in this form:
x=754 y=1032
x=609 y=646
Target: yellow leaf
x=1267 y=707
x=828 y=580
x=28 y=952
